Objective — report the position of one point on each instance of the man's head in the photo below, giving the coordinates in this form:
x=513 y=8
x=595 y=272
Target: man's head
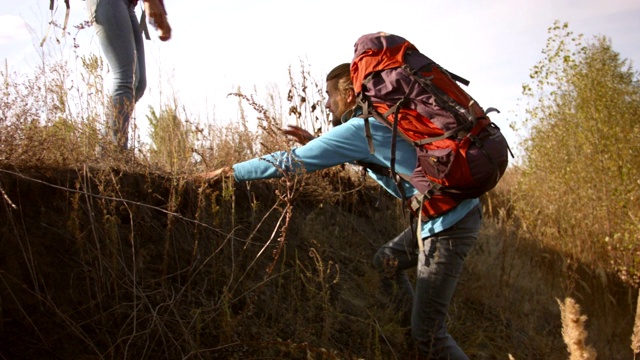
x=340 y=94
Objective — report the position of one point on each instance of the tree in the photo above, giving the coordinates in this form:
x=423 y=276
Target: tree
x=580 y=185
x=172 y=143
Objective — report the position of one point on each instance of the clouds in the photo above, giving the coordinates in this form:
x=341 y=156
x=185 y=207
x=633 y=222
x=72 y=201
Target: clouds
x=218 y=46
x=493 y=43
x=15 y=39
x=13 y=29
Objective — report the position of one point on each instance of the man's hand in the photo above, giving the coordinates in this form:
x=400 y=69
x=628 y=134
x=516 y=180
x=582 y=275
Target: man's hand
x=158 y=18
x=226 y=171
x=299 y=134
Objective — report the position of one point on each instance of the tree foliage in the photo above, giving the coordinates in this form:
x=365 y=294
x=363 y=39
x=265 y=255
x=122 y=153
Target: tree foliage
x=580 y=188
x=171 y=138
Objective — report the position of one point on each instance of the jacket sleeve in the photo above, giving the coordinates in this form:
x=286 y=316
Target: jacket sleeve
x=340 y=145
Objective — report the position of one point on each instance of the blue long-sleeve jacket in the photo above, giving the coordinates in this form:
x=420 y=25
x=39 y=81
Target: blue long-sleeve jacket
x=344 y=144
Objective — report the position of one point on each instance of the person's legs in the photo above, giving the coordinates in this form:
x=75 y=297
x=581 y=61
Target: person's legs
x=141 y=69
x=391 y=260
x=439 y=268
x=119 y=35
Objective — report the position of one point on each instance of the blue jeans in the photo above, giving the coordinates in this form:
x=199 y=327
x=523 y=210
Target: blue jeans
x=438 y=270
x=120 y=38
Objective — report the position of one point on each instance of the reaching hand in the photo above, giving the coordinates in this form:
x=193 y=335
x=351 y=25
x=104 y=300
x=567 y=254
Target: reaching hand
x=158 y=18
x=226 y=171
x=299 y=134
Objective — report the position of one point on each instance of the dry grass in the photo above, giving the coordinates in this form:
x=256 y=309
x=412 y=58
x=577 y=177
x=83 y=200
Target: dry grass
x=126 y=256
x=574 y=331
x=635 y=338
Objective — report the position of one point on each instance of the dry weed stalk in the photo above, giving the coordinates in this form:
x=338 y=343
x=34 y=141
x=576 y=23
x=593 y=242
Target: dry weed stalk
x=635 y=338
x=574 y=332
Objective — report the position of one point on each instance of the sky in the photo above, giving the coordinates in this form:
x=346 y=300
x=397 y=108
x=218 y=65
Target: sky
x=218 y=46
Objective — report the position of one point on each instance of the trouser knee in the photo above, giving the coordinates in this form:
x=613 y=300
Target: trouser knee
x=378 y=259
x=385 y=263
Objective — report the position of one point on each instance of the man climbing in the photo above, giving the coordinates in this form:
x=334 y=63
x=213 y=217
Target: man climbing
x=447 y=239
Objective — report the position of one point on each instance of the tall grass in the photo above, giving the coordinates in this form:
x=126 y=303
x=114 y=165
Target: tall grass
x=110 y=257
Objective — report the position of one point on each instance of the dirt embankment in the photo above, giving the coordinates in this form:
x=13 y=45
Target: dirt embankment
x=112 y=264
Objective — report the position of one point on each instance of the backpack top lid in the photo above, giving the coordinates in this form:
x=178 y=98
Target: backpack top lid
x=380 y=51
x=378 y=40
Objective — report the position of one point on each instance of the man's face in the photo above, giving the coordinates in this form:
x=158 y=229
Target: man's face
x=337 y=102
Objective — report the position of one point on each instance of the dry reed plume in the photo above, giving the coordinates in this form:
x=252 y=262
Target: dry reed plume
x=635 y=338
x=574 y=332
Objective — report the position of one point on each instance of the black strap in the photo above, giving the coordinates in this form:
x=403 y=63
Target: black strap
x=364 y=106
x=375 y=168
x=464 y=127
x=143 y=25
x=454 y=76
x=66 y=20
x=457 y=78
x=367 y=134
x=66 y=16
x=394 y=134
x=368 y=111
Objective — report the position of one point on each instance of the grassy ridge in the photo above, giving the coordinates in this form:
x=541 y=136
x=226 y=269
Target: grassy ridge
x=127 y=255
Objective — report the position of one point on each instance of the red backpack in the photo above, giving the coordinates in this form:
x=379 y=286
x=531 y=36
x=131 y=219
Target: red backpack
x=461 y=153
